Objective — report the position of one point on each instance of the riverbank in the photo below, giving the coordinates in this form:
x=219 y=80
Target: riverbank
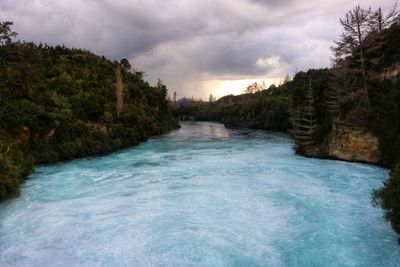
x=19 y=171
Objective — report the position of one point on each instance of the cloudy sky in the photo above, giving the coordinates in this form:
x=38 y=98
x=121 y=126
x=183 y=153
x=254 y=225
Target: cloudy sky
x=196 y=47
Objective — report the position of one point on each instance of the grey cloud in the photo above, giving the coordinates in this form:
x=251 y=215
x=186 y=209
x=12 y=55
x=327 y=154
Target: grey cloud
x=183 y=41
x=273 y=3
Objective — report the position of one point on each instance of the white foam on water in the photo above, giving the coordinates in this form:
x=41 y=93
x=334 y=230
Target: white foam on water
x=200 y=196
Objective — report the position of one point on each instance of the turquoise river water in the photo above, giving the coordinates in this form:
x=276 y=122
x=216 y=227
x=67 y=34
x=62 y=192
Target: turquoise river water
x=203 y=195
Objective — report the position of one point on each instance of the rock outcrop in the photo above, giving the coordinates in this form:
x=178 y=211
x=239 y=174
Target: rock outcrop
x=350 y=143
x=391 y=72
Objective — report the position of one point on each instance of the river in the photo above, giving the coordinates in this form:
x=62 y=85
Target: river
x=203 y=195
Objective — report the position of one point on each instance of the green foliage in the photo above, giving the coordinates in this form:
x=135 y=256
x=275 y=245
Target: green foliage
x=304 y=122
x=5 y=32
x=391 y=45
x=389 y=198
x=58 y=103
x=125 y=65
x=385 y=96
x=14 y=165
x=320 y=86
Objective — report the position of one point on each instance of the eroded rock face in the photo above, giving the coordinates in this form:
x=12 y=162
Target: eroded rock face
x=352 y=144
x=392 y=72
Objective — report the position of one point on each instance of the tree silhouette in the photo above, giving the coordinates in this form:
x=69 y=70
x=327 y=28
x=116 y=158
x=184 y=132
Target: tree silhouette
x=304 y=121
x=6 y=33
x=379 y=20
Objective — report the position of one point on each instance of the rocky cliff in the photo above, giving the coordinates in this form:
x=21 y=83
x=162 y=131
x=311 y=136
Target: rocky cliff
x=350 y=143
x=391 y=73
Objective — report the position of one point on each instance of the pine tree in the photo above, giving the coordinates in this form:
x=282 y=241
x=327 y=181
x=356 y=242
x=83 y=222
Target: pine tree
x=379 y=20
x=211 y=98
x=356 y=28
x=6 y=33
x=333 y=91
x=357 y=59
x=304 y=122
x=332 y=101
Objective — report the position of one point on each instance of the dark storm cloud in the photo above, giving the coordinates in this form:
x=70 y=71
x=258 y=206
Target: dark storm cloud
x=183 y=41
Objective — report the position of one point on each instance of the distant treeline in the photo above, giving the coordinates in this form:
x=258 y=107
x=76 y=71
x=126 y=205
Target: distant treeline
x=268 y=109
x=58 y=104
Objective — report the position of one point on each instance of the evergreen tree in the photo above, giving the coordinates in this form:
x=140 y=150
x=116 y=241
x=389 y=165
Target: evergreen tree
x=211 y=98
x=174 y=97
x=125 y=65
x=6 y=34
x=388 y=197
x=379 y=21
x=332 y=100
x=352 y=42
x=304 y=122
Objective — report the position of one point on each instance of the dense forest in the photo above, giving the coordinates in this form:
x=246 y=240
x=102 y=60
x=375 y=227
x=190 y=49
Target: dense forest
x=58 y=103
x=361 y=92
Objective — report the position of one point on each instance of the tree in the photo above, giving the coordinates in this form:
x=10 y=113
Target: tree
x=162 y=88
x=174 y=97
x=211 y=98
x=30 y=68
x=342 y=86
x=379 y=21
x=159 y=83
x=7 y=54
x=6 y=33
x=304 y=122
x=388 y=197
x=356 y=28
x=332 y=100
x=125 y=65
x=287 y=79
x=255 y=87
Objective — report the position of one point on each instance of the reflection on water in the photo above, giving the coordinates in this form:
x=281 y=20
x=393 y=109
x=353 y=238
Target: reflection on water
x=195 y=131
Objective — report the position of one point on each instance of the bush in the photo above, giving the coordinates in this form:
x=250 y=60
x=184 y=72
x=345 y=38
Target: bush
x=13 y=167
x=388 y=197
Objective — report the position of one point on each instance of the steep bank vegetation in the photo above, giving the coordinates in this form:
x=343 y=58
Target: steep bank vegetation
x=388 y=197
x=58 y=104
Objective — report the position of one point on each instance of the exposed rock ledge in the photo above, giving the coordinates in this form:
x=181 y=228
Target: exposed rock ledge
x=350 y=143
x=391 y=72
